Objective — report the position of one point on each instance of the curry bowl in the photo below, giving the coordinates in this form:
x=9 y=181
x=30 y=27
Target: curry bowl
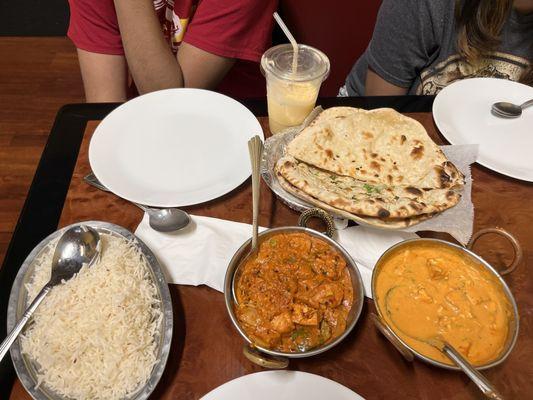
x=273 y=358
x=445 y=292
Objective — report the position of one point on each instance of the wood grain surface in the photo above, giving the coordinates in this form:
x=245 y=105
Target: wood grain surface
x=37 y=77
x=207 y=350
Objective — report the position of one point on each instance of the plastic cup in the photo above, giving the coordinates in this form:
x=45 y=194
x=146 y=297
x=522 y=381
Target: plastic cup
x=291 y=96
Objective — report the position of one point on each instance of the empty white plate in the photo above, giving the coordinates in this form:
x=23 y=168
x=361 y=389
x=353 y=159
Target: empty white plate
x=462 y=112
x=174 y=147
x=281 y=385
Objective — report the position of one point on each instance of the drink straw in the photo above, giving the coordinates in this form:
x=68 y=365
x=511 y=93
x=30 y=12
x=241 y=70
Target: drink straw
x=291 y=39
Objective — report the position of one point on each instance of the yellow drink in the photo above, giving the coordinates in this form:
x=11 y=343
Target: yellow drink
x=290 y=102
x=292 y=91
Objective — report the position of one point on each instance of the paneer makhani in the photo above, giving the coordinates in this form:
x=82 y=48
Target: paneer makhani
x=432 y=291
x=295 y=294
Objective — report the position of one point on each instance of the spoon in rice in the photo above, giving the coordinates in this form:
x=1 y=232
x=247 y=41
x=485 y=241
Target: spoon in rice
x=78 y=246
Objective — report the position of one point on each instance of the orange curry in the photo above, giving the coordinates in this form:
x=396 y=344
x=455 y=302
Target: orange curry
x=295 y=294
x=431 y=291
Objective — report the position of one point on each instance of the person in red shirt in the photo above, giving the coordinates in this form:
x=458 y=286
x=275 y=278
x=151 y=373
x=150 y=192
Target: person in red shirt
x=209 y=44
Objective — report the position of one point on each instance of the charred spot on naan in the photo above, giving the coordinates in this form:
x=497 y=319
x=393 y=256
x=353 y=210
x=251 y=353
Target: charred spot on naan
x=416 y=206
x=444 y=178
x=417 y=152
x=413 y=190
x=368 y=135
x=383 y=213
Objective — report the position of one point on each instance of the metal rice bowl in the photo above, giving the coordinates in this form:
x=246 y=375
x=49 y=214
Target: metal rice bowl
x=27 y=370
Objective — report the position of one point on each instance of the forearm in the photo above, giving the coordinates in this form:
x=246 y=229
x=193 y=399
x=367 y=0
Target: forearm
x=150 y=60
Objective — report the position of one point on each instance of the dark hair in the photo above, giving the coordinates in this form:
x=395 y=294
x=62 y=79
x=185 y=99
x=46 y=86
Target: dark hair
x=479 y=25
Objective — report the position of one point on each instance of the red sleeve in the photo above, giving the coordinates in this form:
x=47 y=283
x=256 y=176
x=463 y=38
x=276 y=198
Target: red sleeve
x=240 y=29
x=94 y=27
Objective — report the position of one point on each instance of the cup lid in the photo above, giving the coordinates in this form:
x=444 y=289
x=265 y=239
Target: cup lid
x=312 y=63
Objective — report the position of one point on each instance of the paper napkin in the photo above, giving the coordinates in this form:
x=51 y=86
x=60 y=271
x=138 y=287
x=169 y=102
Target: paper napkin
x=200 y=253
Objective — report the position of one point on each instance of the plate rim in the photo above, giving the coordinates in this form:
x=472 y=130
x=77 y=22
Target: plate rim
x=437 y=103
x=275 y=372
x=19 y=360
x=172 y=92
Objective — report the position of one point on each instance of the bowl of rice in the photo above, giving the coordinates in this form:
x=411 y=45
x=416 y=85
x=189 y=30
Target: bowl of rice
x=105 y=333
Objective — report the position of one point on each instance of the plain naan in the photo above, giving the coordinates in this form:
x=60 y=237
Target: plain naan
x=379 y=146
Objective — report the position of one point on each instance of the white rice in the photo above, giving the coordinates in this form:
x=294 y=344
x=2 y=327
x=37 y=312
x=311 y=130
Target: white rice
x=95 y=336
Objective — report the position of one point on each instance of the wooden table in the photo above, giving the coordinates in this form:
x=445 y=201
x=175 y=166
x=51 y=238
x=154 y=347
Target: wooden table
x=206 y=349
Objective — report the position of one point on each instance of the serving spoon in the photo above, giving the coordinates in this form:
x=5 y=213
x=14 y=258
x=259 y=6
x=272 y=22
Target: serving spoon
x=160 y=219
x=509 y=110
x=78 y=246
x=444 y=347
x=255 y=148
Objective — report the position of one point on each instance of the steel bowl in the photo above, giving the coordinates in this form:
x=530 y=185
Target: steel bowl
x=409 y=352
x=27 y=369
x=276 y=359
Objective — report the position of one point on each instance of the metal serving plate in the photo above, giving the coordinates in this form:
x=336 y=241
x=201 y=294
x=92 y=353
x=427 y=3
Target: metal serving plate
x=27 y=370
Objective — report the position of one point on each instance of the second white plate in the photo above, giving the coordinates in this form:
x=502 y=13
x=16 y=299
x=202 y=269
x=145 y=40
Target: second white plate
x=462 y=114
x=282 y=385
x=174 y=147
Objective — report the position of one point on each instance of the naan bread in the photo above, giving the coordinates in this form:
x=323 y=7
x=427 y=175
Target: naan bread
x=360 y=197
x=386 y=223
x=379 y=146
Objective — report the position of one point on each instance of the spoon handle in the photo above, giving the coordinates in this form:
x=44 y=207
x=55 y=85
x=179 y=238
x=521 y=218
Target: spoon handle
x=12 y=336
x=92 y=180
x=482 y=383
x=526 y=104
x=255 y=147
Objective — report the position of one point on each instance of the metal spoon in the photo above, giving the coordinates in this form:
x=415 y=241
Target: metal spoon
x=475 y=376
x=255 y=147
x=78 y=246
x=436 y=341
x=509 y=110
x=160 y=219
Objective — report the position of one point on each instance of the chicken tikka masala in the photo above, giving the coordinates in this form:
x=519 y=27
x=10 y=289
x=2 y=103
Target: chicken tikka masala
x=295 y=294
x=431 y=291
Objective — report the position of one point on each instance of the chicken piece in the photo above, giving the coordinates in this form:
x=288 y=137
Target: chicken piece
x=248 y=315
x=436 y=272
x=336 y=319
x=282 y=323
x=300 y=243
x=329 y=294
x=304 y=315
x=328 y=265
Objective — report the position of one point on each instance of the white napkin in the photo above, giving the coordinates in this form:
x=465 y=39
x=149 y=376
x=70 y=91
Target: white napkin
x=200 y=253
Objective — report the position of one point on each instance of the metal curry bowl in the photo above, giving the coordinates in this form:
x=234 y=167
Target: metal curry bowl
x=276 y=359
x=409 y=352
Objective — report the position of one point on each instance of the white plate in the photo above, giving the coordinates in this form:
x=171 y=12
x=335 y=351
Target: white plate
x=281 y=385
x=462 y=114
x=174 y=147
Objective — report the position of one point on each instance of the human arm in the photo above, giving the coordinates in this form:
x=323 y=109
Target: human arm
x=405 y=40
x=152 y=64
x=375 y=85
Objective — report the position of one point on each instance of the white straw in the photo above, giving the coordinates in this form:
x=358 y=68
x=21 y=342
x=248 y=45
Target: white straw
x=291 y=39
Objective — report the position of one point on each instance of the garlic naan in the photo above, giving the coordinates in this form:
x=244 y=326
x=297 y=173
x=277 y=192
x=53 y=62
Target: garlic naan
x=384 y=223
x=362 y=198
x=379 y=146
